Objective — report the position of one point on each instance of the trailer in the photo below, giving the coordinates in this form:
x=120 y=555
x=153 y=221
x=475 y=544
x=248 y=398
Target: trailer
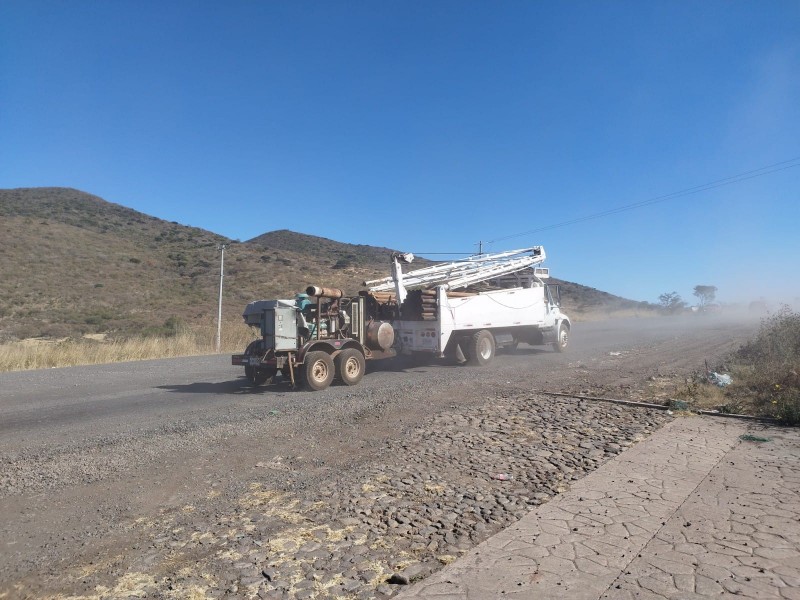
x=466 y=309
x=314 y=339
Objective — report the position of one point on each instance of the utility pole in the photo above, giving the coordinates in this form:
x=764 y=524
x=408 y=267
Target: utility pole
x=221 y=248
x=480 y=247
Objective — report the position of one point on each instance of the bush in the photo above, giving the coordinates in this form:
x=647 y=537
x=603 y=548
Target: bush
x=172 y=327
x=786 y=406
x=342 y=263
x=777 y=342
x=772 y=361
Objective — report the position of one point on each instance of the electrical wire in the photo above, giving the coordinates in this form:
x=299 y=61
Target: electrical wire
x=752 y=174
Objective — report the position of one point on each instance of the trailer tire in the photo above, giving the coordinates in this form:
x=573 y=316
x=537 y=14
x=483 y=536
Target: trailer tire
x=481 y=348
x=350 y=366
x=317 y=371
x=255 y=375
x=562 y=338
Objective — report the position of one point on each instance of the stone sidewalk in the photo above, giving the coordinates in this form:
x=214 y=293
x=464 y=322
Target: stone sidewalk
x=694 y=511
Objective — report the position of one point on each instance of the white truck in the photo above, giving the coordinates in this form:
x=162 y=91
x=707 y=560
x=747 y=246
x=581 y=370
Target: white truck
x=466 y=309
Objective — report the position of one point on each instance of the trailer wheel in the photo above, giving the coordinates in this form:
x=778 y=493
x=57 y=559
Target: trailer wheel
x=350 y=366
x=481 y=348
x=255 y=375
x=317 y=371
x=562 y=338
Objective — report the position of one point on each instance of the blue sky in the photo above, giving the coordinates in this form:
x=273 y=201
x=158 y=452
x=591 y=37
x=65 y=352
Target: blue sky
x=428 y=126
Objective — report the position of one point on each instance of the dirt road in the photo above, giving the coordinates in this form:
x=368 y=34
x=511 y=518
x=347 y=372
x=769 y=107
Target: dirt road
x=174 y=478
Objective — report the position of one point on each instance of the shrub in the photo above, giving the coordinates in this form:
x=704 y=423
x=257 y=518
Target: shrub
x=342 y=263
x=777 y=342
x=773 y=361
x=172 y=327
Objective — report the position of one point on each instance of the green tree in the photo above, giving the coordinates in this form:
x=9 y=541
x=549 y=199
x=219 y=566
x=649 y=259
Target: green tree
x=671 y=302
x=705 y=293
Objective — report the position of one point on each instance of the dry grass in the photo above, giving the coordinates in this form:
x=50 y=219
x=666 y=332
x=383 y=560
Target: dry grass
x=189 y=341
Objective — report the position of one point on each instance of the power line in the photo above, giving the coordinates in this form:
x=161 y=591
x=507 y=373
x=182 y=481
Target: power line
x=761 y=172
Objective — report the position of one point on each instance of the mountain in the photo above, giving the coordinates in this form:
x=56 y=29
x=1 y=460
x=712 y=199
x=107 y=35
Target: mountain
x=583 y=300
x=343 y=255
x=73 y=264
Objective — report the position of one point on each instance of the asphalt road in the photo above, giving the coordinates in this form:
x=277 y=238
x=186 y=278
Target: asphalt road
x=42 y=407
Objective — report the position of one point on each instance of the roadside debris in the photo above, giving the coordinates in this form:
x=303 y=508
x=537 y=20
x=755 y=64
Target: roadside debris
x=747 y=437
x=720 y=379
x=678 y=404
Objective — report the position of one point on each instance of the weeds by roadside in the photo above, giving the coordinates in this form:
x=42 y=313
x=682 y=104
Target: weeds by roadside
x=766 y=374
x=180 y=341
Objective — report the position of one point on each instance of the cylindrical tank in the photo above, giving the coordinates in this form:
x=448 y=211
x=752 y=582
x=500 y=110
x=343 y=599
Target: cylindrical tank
x=379 y=335
x=321 y=292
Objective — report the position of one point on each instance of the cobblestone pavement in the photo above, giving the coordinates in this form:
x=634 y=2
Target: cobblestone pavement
x=702 y=508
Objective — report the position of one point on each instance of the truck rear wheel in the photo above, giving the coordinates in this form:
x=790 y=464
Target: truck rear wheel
x=481 y=348
x=350 y=366
x=317 y=371
x=562 y=338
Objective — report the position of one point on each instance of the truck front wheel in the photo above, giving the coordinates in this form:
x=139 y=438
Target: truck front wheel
x=481 y=348
x=350 y=366
x=562 y=338
x=317 y=371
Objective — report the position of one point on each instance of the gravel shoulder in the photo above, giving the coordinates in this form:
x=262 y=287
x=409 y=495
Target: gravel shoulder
x=173 y=478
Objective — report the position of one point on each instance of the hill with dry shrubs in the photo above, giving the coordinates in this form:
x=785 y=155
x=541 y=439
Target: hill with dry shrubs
x=74 y=264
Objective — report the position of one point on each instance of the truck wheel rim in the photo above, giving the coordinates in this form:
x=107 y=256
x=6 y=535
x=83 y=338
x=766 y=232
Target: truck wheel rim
x=351 y=367
x=319 y=371
x=563 y=338
x=485 y=349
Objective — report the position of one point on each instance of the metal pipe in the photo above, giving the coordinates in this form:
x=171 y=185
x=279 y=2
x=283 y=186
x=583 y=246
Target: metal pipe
x=708 y=413
x=291 y=368
x=318 y=315
x=322 y=292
